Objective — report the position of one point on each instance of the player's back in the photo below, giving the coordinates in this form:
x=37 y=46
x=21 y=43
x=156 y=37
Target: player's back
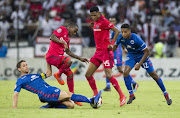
x=101 y=33
x=31 y=82
x=57 y=48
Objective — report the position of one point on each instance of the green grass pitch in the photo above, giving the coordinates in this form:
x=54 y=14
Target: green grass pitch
x=149 y=102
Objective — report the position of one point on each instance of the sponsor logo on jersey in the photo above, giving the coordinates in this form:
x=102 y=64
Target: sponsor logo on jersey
x=33 y=77
x=56 y=90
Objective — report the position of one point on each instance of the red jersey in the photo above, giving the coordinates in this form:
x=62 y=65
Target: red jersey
x=57 y=48
x=101 y=33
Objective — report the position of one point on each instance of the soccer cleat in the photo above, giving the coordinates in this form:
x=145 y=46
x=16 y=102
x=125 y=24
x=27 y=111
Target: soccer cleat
x=78 y=103
x=46 y=106
x=96 y=98
x=168 y=99
x=131 y=98
x=135 y=87
x=59 y=79
x=122 y=100
x=107 y=89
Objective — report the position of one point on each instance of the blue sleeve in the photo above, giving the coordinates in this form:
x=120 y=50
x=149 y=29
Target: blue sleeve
x=18 y=86
x=118 y=41
x=112 y=34
x=141 y=44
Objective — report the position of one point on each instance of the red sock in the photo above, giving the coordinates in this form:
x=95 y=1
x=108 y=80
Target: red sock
x=70 y=83
x=92 y=83
x=115 y=84
x=63 y=68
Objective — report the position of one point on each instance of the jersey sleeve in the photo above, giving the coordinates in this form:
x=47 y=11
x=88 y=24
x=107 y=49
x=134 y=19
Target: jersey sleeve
x=18 y=86
x=43 y=75
x=59 y=32
x=141 y=43
x=118 y=41
x=107 y=25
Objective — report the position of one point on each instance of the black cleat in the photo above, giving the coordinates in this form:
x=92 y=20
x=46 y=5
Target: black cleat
x=131 y=98
x=168 y=99
x=107 y=89
x=135 y=87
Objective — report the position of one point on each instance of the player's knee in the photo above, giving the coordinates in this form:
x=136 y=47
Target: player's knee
x=121 y=71
x=70 y=105
x=126 y=73
x=108 y=76
x=69 y=62
x=87 y=75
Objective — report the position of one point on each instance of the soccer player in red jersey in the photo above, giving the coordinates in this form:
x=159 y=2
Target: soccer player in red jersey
x=55 y=55
x=104 y=53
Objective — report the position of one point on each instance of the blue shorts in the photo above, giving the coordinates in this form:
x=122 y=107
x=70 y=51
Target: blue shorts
x=50 y=94
x=118 y=56
x=147 y=64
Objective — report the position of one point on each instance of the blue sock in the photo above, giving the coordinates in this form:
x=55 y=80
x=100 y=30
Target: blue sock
x=127 y=81
x=161 y=85
x=132 y=81
x=80 y=98
x=108 y=83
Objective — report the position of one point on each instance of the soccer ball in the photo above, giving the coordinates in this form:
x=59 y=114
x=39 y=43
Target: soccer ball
x=98 y=104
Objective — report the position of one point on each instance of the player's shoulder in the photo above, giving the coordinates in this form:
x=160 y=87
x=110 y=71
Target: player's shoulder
x=61 y=29
x=135 y=36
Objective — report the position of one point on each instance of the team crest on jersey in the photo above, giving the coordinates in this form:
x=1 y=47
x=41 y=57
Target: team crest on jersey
x=59 y=30
x=132 y=41
x=97 y=26
x=65 y=36
x=56 y=90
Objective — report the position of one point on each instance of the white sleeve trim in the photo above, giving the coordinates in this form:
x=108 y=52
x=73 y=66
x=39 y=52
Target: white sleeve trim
x=144 y=48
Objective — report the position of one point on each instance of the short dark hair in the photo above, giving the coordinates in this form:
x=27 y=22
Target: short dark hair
x=72 y=24
x=18 y=65
x=94 y=8
x=125 y=26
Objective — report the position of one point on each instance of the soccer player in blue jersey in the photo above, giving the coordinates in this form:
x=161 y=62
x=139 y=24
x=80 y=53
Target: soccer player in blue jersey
x=55 y=97
x=137 y=56
x=118 y=60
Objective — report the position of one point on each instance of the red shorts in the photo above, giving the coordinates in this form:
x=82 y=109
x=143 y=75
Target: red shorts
x=105 y=57
x=57 y=60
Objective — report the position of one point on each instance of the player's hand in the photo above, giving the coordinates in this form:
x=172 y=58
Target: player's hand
x=66 y=48
x=110 y=47
x=84 y=60
x=125 y=51
x=137 y=66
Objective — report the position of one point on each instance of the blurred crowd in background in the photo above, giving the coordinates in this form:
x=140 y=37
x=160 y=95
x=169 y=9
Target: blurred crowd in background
x=156 y=21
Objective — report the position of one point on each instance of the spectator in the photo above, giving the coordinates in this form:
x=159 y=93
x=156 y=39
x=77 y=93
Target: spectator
x=46 y=27
x=4 y=26
x=159 y=50
x=149 y=32
x=3 y=50
x=36 y=8
x=171 y=39
x=176 y=25
x=112 y=8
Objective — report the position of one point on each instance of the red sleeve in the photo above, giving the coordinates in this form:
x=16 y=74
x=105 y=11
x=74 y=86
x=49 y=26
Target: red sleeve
x=107 y=25
x=59 y=32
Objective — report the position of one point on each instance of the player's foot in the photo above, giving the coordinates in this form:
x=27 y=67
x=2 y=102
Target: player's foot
x=122 y=100
x=168 y=99
x=59 y=79
x=96 y=98
x=135 y=87
x=46 y=106
x=78 y=103
x=131 y=98
x=107 y=89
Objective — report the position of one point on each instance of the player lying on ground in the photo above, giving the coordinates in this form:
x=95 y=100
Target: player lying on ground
x=55 y=56
x=55 y=97
x=118 y=60
x=137 y=56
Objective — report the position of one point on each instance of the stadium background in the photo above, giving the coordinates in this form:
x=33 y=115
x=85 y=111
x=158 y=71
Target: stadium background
x=29 y=37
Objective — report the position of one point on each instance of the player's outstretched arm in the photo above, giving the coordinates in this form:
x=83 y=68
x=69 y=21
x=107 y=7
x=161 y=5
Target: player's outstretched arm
x=15 y=100
x=49 y=70
x=76 y=57
x=114 y=47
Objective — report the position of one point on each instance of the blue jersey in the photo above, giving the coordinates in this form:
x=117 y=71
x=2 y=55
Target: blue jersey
x=135 y=45
x=31 y=82
x=117 y=52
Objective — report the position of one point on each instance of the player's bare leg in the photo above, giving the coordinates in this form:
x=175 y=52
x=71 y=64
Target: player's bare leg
x=89 y=76
x=162 y=87
x=114 y=82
